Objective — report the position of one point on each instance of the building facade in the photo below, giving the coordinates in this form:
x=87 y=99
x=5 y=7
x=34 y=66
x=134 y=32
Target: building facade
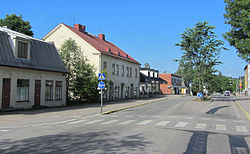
x=247 y=79
x=149 y=81
x=172 y=85
x=122 y=70
x=31 y=72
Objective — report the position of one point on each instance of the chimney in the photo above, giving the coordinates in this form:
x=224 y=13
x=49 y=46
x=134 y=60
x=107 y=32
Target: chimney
x=101 y=36
x=80 y=27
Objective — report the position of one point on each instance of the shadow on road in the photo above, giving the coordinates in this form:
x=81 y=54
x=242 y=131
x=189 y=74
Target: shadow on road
x=212 y=111
x=92 y=142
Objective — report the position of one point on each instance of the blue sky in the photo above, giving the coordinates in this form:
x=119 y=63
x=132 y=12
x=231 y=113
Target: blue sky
x=147 y=30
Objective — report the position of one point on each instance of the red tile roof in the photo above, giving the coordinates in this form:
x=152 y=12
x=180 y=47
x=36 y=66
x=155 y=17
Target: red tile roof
x=103 y=46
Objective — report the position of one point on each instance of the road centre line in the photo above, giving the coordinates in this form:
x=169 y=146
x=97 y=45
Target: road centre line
x=243 y=109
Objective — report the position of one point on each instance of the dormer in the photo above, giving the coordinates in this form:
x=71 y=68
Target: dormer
x=21 y=48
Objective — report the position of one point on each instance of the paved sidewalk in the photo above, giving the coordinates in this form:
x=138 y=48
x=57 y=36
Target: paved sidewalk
x=63 y=113
x=244 y=102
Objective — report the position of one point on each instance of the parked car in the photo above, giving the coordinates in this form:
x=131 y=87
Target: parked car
x=227 y=93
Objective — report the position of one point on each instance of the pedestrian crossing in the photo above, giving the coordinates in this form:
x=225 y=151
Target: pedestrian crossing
x=189 y=123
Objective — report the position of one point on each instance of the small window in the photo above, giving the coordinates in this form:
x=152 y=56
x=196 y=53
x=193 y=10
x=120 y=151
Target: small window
x=22 y=50
x=49 y=91
x=127 y=71
x=136 y=73
x=117 y=69
x=113 y=69
x=58 y=91
x=22 y=90
x=122 y=70
x=105 y=65
x=130 y=72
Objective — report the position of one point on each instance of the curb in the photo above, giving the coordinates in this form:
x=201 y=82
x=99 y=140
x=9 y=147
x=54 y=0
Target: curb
x=124 y=108
x=243 y=109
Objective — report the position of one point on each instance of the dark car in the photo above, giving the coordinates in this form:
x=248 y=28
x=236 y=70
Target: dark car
x=227 y=93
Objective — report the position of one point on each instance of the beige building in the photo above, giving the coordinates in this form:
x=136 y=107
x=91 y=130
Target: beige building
x=123 y=71
x=31 y=72
x=247 y=79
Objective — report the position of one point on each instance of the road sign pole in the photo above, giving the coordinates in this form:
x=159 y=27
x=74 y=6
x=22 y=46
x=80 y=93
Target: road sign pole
x=101 y=101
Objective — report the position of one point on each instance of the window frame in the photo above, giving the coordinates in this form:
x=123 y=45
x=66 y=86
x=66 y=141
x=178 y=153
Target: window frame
x=50 y=97
x=16 y=43
x=58 y=92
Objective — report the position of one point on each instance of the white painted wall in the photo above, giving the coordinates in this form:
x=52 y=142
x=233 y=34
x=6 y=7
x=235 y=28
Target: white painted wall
x=32 y=75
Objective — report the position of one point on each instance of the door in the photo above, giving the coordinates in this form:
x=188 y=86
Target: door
x=37 y=92
x=6 y=93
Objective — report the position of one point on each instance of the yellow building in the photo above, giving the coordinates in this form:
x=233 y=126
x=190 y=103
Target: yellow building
x=247 y=79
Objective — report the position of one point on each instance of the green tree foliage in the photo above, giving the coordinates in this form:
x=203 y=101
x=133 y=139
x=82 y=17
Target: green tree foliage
x=17 y=24
x=238 y=16
x=201 y=53
x=221 y=83
x=82 y=81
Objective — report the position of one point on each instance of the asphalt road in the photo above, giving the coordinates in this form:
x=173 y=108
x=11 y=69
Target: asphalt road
x=173 y=126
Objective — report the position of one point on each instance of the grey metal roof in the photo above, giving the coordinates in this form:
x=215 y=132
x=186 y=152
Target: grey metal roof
x=43 y=56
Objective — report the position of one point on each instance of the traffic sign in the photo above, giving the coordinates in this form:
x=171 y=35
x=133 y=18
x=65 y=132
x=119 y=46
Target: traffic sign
x=101 y=76
x=200 y=95
x=101 y=85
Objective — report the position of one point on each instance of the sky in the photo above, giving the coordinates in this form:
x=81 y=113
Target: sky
x=146 y=29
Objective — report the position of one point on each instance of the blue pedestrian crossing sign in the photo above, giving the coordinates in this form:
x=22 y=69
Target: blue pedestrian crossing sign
x=101 y=76
x=101 y=85
x=200 y=95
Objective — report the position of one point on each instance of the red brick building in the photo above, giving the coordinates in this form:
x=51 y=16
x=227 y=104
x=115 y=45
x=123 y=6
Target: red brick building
x=172 y=84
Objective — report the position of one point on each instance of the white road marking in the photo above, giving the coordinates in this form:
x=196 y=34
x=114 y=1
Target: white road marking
x=127 y=122
x=143 y=116
x=56 y=116
x=172 y=116
x=201 y=126
x=109 y=122
x=162 y=123
x=238 y=121
x=157 y=116
x=221 y=120
x=4 y=130
x=188 y=117
x=204 y=118
x=94 y=121
x=74 y=116
x=241 y=129
x=77 y=122
x=181 y=124
x=144 y=122
x=221 y=127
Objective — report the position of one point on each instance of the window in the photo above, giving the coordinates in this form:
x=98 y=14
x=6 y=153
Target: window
x=136 y=73
x=58 y=91
x=22 y=90
x=117 y=92
x=127 y=71
x=105 y=65
x=130 y=72
x=117 y=69
x=113 y=69
x=49 y=91
x=22 y=50
x=122 y=70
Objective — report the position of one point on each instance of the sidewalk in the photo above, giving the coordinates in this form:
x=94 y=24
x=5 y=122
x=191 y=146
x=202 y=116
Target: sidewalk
x=244 y=103
x=62 y=113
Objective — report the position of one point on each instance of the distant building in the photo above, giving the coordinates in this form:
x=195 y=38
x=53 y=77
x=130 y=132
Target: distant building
x=173 y=84
x=31 y=72
x=149 y=81
x=123 y=71
x=247 y=79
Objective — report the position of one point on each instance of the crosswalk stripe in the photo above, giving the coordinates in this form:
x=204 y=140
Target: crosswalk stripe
x=241 y=129
x=145 y=122
x=94 y=121
x=162 y=123
x=76 y=122
x=127 y=122
x=221 y=120
x=181 y=124
x=109 y=122
x=201 y=126
x=172 y=116
x=204 y=118
x=188 y=117
x=238 y=121
x=221 y=127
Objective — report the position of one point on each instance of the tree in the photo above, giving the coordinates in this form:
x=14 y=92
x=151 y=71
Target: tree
x=146 y=65
x=82 y=81
x=201 y=53
x=237 y=15
x=17 y=24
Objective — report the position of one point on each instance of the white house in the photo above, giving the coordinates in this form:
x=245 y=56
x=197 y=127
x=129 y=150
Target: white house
x=149 y=81
x=122 y=69
x=31 y=72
